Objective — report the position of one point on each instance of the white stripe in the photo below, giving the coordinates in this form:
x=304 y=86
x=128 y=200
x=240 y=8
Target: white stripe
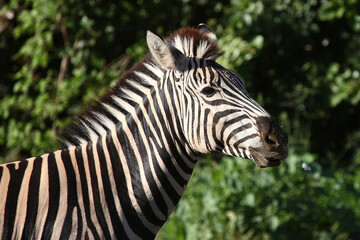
x=147 y=78
x=62 y=210
x=202 y=48
x=105 y=121
x=79 y=194
x=90 y=234
x=21 y=207
x=180 y=45
x=102 y=199
x=74 y=225
x=90 y=132
x=156 y=70
x=43 y=206
x=4 y=184
x=92 y=207
x=115 y=113
x=99 y=129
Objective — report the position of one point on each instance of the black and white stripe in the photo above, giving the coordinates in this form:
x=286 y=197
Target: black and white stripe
x=128 y=158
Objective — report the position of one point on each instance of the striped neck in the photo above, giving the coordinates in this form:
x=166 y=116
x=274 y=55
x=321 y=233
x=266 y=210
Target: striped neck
x=139 y=135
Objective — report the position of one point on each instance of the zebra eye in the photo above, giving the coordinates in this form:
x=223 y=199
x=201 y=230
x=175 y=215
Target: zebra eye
x=208 y=91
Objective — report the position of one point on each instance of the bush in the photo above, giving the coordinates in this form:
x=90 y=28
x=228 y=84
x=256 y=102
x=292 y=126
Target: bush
x=232 y=199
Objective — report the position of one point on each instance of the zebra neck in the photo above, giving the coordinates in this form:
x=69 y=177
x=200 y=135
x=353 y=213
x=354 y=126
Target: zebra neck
x=133 y=135
x=150 y=161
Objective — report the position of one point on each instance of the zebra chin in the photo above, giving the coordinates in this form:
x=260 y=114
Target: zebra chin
x=271 y=159
x=260 y=157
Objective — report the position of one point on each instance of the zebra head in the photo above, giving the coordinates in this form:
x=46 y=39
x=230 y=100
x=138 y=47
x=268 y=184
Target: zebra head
x=216 y=112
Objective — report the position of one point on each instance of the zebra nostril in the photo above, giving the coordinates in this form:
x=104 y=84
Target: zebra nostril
x=271 y=133
x=271 y=140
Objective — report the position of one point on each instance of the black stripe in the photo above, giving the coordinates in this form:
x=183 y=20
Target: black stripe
x=165 y=183
x=185 y=108
x=230 y=122
x=225 y=102
x=136 y=90
x=236 y=144
x=54 y=196
x=219 y=141
x=236 y=131
x=211 y=72
x=190 y=66
x=200 y=122
x=72 y=200
x=205 y=128
x=85 y=192
x=114 y=215
x=16 y=178
x=247 y=101
x=33 y=199
x=151 y=116
x=232 y=153
x=160 y=202
x=134 y=169
x=194 y=67
x=86 y=236
x=126 y=205
x=95 y=190
x=232 y=78
x=201 y=63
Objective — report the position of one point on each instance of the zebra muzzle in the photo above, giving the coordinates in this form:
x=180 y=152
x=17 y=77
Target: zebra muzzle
x=265 y=161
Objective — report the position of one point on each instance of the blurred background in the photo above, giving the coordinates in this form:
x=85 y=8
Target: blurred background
x=300 y=59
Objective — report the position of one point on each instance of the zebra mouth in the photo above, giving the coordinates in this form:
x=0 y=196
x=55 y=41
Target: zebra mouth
x=262 y=161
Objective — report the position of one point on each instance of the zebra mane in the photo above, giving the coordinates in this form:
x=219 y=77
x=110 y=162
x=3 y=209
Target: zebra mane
x=96 y=120
x=195 y=44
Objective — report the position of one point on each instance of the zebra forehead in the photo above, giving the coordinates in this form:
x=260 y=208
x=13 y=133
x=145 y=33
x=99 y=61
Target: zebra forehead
x=195 y=44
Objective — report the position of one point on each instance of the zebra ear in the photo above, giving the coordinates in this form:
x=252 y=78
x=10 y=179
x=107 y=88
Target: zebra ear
x=207 y=30
x=165 y=54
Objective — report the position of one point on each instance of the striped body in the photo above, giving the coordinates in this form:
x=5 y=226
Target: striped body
x=128 y=159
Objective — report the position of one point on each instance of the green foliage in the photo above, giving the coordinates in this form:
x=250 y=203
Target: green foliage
x=300 y=60
x=232 y=199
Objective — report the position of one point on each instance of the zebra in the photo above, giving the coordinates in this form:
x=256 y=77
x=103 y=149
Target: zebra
x=127 y=158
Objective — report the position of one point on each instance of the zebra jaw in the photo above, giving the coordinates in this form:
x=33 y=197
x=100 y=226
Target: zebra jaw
x=263 y=161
